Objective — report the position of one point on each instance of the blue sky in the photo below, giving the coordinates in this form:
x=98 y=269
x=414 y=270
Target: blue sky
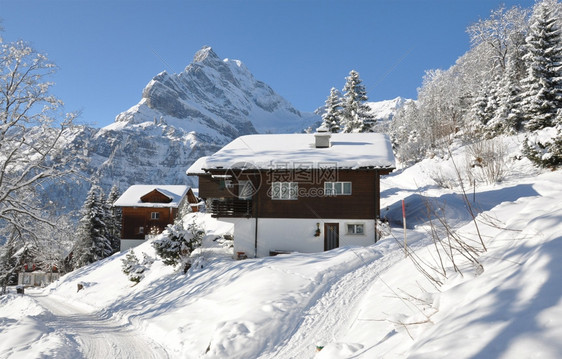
x=107 y=51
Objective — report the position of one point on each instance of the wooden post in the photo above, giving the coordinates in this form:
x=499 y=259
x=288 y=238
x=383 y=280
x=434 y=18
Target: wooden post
x=376 y=193
x=404 y=220
x=256 y=229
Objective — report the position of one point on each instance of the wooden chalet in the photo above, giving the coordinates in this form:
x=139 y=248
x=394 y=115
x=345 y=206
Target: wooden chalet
x=148 y=209
x=297 y=192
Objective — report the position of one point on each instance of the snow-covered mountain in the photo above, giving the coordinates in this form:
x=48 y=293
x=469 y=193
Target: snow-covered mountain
x=179 y=118
x=219 y=98
x=384 y=111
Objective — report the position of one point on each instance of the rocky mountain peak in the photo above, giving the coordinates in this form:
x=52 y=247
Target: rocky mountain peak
x=215 y=97
x=206 y=54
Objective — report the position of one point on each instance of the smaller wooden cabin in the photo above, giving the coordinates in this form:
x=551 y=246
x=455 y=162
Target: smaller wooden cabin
x=148 y=209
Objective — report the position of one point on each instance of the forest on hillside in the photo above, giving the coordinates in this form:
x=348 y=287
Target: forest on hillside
x=509 y=81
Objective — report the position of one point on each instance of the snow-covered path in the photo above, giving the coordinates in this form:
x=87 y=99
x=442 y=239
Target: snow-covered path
x=334 y=311
x=93 y=336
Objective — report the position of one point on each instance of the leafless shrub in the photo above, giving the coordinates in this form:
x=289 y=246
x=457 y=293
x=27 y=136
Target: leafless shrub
x=487 y=160
x=443 y=180
x=449 y=246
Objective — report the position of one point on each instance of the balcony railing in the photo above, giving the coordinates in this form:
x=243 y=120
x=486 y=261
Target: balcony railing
x=231 y=207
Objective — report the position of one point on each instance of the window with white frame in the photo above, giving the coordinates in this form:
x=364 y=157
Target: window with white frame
x=284 y=190
x=154 y=215
x=337 y=188
x=141 y=230
x=355 y=228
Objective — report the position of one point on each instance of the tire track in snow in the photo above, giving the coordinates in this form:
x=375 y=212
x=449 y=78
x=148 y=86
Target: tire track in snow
x=96 y=337
x=322 y=320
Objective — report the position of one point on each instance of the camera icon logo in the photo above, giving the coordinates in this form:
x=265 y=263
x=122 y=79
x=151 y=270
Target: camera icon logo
x=243 y=180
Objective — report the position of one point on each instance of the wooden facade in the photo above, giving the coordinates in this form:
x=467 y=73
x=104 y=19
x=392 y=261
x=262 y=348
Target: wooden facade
x=362 y=203
x=137 y=222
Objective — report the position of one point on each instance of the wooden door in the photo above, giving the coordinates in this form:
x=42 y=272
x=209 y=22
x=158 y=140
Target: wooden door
x=331 y=236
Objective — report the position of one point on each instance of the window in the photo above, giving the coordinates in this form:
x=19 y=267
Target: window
x=154 y=215
x=284 y=190
x=225 y=183
x=355 y=229
x=337 y=188
x=141 y=230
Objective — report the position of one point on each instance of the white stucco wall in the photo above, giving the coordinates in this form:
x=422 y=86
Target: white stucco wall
x=294 y=235
x=127 y=244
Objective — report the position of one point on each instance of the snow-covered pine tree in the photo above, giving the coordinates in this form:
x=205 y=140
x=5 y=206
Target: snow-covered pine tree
x=81 y=253
x=91 y=244
x=129 y=266
x=176 y=244
x=493 y=100
x=113 y=220
x=545 y=149
x=543 y=84
x=508 y=116
x=332 y=114
x=133 y=268
x=478 y=111
x=104 y=215
x=356 y=116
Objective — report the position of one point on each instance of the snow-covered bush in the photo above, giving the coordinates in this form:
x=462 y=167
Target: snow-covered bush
x=133 y=268
x=544 y=148
x=176 y=244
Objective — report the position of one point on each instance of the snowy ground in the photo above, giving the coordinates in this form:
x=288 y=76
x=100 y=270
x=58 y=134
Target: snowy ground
x=355 y=302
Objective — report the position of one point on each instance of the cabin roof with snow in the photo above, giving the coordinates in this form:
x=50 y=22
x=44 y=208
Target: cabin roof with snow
x=152 y=196
x=268 y=151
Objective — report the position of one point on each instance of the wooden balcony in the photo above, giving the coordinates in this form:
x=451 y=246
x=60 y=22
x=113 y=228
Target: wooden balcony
x=231 y=207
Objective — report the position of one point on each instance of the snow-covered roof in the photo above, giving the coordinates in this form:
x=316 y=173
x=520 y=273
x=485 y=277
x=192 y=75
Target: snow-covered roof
x=197 y=167
x=347 y=150
x=132 y=196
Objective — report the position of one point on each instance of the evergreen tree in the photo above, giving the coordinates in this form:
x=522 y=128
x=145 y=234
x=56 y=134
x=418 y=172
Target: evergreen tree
x=104 y=217
x=545 y=151
x=478 y=110
x=493 y=101
x=543 y=84
x=356 y=116
x=508 y=117
x=135 y=269
x=176 y=244
x=113 y=220
x=331 y=117
x=92 y=244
